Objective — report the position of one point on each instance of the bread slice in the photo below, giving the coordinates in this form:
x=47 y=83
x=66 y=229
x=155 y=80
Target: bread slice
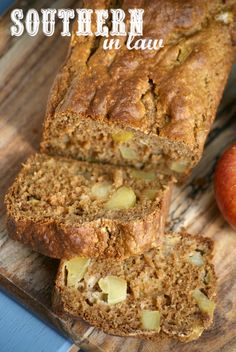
x=137 y=107
x=170 y=290
x=63 y=208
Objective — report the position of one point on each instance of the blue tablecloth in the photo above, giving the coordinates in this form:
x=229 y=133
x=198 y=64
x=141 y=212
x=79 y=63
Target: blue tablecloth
x=21 y=331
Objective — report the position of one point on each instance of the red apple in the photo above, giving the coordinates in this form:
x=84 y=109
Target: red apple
x=225 y=185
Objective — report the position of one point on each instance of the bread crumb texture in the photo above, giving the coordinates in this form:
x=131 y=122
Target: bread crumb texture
x=169 y=294
x=64 y=207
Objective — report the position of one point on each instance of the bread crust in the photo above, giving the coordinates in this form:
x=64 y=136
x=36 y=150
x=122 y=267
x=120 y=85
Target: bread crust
x=56 y=241
x=62 y=302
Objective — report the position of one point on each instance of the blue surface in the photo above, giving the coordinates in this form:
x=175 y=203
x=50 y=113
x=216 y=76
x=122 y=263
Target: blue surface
x=4 y=4
x=20 y=331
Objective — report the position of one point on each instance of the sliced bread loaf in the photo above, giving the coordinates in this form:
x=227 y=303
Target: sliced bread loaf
x=169 y=291
x=136 y=107
x=63 y=208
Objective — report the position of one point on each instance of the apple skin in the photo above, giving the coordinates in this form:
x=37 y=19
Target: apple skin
x=225 y=185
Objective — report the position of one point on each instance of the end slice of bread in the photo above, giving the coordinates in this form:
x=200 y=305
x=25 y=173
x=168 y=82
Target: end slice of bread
x=168 y=291
x=63 y=208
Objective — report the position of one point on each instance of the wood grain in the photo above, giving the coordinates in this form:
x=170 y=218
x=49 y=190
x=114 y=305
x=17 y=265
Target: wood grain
x=27 y=68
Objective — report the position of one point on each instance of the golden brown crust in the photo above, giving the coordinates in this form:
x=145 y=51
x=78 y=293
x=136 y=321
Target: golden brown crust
x=99 y=237
x=185 y=79
x=51 y=239
x=68 y=302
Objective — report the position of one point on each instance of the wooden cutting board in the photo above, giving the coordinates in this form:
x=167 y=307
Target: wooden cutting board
x=27 y=68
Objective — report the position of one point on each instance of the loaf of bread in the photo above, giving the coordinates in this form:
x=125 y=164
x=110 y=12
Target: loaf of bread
x=134 y=107
x=64 y=208
x=168 y=291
